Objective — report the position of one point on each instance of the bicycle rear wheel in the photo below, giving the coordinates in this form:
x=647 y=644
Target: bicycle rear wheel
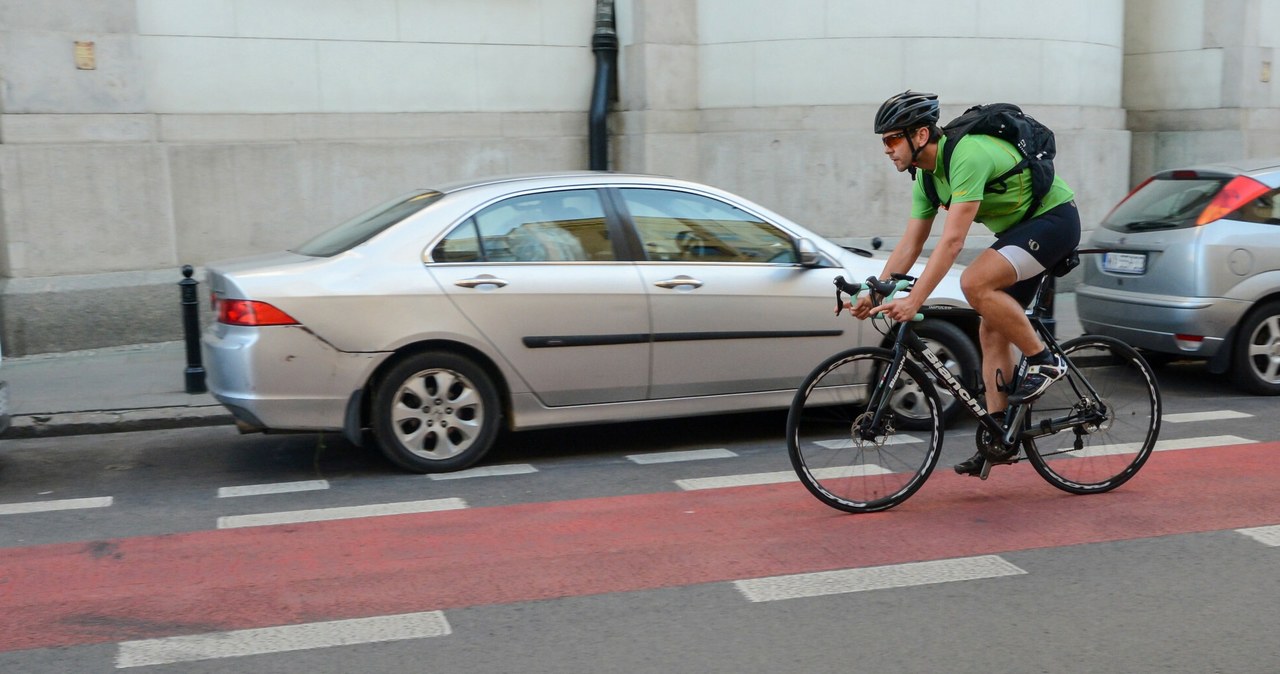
x=1106 y=438
x=834 y=460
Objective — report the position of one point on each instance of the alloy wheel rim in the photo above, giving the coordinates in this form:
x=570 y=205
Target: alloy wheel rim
x=1264 y=350
x=437 y=414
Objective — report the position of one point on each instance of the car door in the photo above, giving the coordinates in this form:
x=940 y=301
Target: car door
x=538 y=274
x=733 y=311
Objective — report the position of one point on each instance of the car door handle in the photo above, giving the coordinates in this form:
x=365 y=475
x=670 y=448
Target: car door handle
x=678 y=281
x=482 y=280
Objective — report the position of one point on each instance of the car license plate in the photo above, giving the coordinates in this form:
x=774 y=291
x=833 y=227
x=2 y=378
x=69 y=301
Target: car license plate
x=1125 y=263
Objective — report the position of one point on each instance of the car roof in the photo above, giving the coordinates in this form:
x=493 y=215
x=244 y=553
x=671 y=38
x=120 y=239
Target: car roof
x=551 y=179
x=1244 y=165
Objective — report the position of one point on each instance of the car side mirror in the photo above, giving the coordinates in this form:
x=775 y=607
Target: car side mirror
x=810 y=256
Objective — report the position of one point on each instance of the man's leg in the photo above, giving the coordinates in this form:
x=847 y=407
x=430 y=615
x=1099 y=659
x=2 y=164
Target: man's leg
x=983 y=283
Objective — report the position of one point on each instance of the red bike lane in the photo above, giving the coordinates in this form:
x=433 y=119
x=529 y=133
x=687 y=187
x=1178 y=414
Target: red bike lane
x=212 y=581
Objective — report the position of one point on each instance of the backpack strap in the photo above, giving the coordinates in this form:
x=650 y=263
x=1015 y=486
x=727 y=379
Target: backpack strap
x=998 y=184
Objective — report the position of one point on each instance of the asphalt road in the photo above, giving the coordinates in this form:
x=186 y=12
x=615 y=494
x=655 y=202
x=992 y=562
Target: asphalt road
x=594 y=550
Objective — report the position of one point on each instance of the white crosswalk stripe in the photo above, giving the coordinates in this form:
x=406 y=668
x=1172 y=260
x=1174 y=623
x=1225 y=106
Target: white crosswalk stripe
x=486 y=471
x=689 y=455
x=343 y=513
x=52 y=506
x=273 y=488
x=875 y=578
x=281 y=639
x=1215 y=415
x=1265 y=535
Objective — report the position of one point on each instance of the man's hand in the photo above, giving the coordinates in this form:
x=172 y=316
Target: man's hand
x=902 y=309
x=859 y=307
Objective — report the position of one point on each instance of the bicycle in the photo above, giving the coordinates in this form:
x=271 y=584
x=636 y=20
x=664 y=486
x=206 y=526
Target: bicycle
x=1088 y=433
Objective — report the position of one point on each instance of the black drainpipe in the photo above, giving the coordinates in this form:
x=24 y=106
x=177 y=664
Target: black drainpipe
x=605 y=44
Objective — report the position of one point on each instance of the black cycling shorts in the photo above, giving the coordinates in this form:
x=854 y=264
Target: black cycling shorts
x=1035 y=246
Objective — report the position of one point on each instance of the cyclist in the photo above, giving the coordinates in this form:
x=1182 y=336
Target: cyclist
x=1001 y=281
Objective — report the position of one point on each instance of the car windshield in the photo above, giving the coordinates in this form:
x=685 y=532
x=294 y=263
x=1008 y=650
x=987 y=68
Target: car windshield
x=365 y=226
x=1164 y=204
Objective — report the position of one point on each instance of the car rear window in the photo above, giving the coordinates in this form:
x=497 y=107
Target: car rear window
x=1164 y=203
x=365 y=226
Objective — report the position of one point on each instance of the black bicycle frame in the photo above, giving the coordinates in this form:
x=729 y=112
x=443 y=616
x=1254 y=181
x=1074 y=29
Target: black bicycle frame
x=1011 y=435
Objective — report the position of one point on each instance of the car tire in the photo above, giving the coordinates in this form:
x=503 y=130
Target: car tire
x=1255 y=357
x=959 y=354
x=435 y=412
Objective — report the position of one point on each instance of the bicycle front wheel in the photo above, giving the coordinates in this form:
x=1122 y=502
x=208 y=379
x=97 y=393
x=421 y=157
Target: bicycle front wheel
x=1106 y=412
x=843 y=455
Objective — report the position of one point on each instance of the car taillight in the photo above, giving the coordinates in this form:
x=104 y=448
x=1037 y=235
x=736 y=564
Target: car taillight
x=251 y=313
x=1240 y=191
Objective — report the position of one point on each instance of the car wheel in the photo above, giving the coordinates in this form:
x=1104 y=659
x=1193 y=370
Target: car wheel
x=1256 y=355
x=435 y=412
x=957 y=352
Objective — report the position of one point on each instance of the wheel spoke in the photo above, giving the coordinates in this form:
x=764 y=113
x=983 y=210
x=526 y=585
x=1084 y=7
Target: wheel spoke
x=1116 y=432
x=833 y=461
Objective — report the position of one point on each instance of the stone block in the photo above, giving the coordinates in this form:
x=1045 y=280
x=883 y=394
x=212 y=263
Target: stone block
x=368 y=20
x=211 y=75
x=410 y=77
x=122 y=128
x=54 y=314
x=40 y=74
x=75 y=209
x=77 y=16
x=209 y=18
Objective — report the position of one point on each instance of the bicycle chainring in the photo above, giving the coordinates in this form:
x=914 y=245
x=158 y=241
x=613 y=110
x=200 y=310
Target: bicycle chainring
x=991 y=448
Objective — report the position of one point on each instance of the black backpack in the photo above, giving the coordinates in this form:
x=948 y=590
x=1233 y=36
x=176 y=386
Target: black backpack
x=1004 y=120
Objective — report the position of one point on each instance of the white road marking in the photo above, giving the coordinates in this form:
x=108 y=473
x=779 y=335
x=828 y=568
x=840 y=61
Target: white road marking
x=485 y=471
x=875 y=578
x=1161 y=446
x=846 y=443
x=693 y=484
x=690 y=455
x=345 y=513
x=1265 y=535
x=50 y=506
x=1215 y=415
x=1194 y=443
x=281 y=639
x=273 y=488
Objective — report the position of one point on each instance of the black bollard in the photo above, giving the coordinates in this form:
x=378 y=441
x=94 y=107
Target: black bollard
x=191 y=330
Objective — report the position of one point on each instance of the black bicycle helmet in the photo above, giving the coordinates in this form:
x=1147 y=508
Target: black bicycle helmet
x=907 y=110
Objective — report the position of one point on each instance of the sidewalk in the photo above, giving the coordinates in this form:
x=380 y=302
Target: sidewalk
x=136 y=388
x=127 y=388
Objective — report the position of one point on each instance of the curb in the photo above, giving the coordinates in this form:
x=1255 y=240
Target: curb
x=116 y=421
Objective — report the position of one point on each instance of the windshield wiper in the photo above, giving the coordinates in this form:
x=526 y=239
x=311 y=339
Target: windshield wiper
x=1150 y=225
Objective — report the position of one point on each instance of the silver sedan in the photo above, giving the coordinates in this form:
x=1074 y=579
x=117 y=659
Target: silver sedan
x=433 y=320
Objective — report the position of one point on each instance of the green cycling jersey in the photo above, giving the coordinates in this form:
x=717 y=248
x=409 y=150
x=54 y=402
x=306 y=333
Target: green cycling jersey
x=979 y=158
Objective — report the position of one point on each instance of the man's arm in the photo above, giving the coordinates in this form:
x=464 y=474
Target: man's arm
x=909 y=246
x=954 y=230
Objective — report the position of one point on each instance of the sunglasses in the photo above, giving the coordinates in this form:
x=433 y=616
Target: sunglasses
x=893 y=138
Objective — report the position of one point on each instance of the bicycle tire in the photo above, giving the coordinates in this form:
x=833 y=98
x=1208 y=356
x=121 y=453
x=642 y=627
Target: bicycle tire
x=1112 y=449
x=835 y=464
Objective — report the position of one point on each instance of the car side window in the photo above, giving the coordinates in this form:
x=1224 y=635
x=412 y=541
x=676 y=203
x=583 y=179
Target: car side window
x=680 y=226
x=562 y=226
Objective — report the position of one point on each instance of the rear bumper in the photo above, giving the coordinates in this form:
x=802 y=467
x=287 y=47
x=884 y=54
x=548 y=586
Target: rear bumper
x=283 y=377
x=1152 y=321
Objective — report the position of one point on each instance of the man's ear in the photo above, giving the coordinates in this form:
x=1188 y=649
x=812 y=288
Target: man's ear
x=920 y=136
